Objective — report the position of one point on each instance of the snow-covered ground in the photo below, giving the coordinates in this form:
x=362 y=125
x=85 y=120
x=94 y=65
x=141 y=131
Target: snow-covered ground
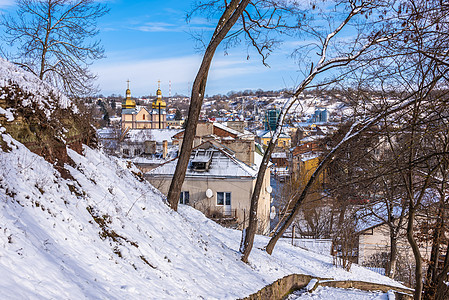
x=46 y=96
x=103 y=232
x=338 y=294
x=52 y=247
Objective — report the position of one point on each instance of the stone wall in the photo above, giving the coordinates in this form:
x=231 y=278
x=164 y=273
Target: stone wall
x=283 y=287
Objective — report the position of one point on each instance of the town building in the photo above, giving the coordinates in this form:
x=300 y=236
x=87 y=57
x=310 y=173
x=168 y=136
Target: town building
x=284 y=140
x=232 y=135
x=141 y=117
x=219 y=185
x=375 y=240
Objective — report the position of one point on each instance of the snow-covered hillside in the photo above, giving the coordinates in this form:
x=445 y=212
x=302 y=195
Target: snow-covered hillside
x=101 y=231
x=44 y=95
x=107 y=234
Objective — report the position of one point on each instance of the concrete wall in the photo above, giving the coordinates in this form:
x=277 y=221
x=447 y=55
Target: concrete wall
x=282 y=287
x=244 y=149
x=237 y=125
x=203 y=129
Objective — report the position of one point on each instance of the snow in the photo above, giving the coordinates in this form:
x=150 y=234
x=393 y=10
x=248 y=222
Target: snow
x=157 y=135
x=322 y=246
x=311 y=285
x=244 y=134
x=52 y=248
x=7 y=113
x=105 y=233
x=278 y=155
x=338 y=294
x=44 y=95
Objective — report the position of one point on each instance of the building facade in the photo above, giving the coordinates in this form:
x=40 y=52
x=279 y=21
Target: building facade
x=219 y=185
x=141 y=117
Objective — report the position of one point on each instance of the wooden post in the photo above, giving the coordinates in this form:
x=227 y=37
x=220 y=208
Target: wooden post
x=293 y=235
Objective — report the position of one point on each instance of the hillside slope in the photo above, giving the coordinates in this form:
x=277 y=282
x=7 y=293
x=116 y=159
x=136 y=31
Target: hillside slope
x=99 y=231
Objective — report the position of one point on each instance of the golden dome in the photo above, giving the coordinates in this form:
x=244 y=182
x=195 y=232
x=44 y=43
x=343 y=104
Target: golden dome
x=158 y=102
x=128 y=102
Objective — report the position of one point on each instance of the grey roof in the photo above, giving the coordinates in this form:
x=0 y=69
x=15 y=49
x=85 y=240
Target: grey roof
x=129 y=111
x=223 y=165
x=157 y=135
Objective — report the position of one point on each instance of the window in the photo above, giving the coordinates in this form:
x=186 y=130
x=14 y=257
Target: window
x=223 y=198
x=184 y=198
x=126 y=151
x=143 y=117
x=137 y=152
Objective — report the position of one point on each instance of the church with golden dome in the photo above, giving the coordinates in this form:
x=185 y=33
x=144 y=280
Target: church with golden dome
x=142 y=117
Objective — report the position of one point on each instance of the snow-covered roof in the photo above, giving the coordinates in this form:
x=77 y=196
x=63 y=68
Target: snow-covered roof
x=245 y=133
x=107 y=133
x=309 y=155
x=129 y=111
x=312 y=138
x=279 y=155
x=269 y=134
x=156 y=135
x=222 y=164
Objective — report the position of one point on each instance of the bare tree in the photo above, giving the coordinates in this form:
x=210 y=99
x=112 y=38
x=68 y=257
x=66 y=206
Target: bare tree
x=53 y=41
x=231 y=14
x=325 y=62
x=259 y=16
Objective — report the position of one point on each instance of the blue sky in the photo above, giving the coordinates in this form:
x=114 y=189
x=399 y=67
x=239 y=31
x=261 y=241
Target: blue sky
x=147 y=41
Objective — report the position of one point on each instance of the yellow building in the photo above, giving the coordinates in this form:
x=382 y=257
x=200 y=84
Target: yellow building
x=284 y=140
x=159 y=110
x=134 y=117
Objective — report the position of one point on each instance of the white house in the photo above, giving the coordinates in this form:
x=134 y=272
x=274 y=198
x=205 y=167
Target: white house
x=219 y=185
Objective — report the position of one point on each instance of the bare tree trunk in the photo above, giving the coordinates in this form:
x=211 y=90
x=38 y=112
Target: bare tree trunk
x=227 y=20
x=248 y=238
x=391 y=265
x=442 y=290
x=416 y=254
x=432 y=269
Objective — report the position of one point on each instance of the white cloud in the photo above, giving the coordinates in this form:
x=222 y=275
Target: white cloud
x=6 y=3
x=157 y=27
x=144 y=74
x=181 y=71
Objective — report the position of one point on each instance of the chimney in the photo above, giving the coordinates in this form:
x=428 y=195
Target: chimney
x=237 y=125
x=164 y=149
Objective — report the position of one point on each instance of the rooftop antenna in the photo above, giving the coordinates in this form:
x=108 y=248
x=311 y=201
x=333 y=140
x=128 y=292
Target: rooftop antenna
x=169 y=89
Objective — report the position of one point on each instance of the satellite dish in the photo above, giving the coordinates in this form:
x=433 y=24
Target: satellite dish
x=209 y=193
x=273 y=213
x=269 y=189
